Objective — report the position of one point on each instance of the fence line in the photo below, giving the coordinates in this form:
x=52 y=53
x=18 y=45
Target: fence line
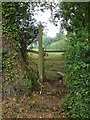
x=54 y=50
x=34 y=51
x=41 y=58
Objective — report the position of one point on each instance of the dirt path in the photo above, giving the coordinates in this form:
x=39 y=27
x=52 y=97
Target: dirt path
x=44 y=104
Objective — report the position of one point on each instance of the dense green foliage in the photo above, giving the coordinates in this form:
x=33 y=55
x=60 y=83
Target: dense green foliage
x=8 y=64
x=61 y=45
x=9 y=24
x=76 y=19
x=56 y=43
x=17 y=23
x=12 y=14
x=59 y=42
x=47 y=41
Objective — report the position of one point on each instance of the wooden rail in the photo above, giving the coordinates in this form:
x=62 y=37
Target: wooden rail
x=41 y=53
x=54 y=50
x=34 y=51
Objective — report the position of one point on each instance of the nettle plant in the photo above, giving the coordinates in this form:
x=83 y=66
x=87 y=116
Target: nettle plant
x=77 y=60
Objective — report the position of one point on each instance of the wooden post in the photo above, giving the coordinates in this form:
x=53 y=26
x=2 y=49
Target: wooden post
x=41 y=54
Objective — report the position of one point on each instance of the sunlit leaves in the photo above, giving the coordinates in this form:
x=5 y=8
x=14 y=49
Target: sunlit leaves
x=77 y=59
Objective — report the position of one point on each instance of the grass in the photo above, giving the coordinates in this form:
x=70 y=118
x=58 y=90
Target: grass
x=53 y=63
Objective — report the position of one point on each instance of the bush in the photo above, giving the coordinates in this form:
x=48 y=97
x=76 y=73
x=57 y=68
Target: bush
x=60 y=45
x=78 y=74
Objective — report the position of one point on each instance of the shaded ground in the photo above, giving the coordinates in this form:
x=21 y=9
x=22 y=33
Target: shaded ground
x=44 y=104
